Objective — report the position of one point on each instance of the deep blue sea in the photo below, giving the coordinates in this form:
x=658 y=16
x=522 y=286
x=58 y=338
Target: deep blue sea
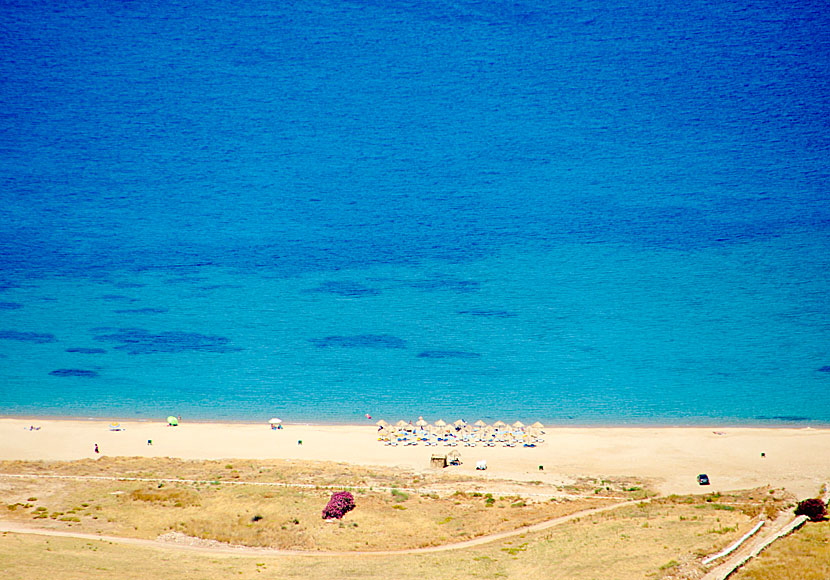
x=592 y=212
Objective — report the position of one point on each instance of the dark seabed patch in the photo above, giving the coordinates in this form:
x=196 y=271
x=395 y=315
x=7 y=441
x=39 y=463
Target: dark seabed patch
x=360 y=341
x=74 y=373
x=788 y=418
x=142 y=311
x=488 y=313
x=448 y=354
x=824 y=369
x=83 y=350
x=117 y=298
x=10 y=305
x=220 y=287
x=446 y=284
x=140 y=341
x=40 y=338
x=348 y=289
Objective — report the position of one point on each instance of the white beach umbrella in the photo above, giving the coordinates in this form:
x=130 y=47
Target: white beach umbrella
x=275 y=421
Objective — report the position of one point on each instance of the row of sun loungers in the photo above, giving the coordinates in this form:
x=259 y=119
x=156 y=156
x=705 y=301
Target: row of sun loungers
x=407 y=440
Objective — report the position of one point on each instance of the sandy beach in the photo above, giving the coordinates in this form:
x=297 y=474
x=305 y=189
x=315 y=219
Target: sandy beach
x=669 y=457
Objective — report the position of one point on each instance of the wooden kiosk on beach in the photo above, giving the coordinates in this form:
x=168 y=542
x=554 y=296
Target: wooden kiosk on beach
x=438 y=461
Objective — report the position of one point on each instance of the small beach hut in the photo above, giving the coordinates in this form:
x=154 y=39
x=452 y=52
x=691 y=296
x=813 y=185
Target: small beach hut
x=438 y=461
x=172 y=421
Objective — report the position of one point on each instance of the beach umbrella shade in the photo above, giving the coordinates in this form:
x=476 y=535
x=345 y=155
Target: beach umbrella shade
x=537 y=425
x=382 y=423
x=401 y=423
x=460 y=422
x=518 y=424
x=480 y=423
x=171 y=420
x=440 y=423
x=275 y=421
x=499 y=424
x=420 y=422
x=115 y=426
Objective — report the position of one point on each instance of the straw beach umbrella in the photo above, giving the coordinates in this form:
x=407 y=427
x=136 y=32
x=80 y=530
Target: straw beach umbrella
x=480 y=423
x=440 y=423
x=460 y=422
x=537 y=425
x=420 y=422
x=401 y=423
x=499 y=424
x=518 y=424
x=382 y=424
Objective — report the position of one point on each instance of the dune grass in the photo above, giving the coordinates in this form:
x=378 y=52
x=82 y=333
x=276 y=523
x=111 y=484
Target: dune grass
x=210 y=508
x=803 y=555
x=632 y=543
x=662 y=538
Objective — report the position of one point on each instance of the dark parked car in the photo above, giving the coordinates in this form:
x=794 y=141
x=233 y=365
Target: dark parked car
x=703 y=479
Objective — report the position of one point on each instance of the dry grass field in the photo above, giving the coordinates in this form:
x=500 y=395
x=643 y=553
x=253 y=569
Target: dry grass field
x=804 y=555
x=397 y=510
x=662 y=538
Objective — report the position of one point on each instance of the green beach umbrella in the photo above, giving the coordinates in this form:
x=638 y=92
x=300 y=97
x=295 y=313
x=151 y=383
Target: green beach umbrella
x=171 y=420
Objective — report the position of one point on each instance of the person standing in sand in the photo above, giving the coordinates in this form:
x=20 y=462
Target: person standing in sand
x=96 y=448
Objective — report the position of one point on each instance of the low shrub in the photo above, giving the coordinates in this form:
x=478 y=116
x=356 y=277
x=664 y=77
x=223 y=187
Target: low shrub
x=341 y=503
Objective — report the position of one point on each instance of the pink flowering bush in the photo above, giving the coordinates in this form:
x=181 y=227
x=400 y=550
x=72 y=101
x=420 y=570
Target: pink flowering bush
x=341 y=503
x=812 y=508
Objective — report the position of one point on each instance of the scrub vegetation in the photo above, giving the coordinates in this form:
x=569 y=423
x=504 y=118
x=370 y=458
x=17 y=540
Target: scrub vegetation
x=660 y=538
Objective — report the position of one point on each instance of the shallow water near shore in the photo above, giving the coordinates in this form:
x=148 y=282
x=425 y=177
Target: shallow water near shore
x=586 y=215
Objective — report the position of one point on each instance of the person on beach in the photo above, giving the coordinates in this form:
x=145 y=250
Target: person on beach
x=96 y=448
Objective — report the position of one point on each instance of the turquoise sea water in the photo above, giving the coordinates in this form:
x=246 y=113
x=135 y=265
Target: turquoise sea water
x=586 y=213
